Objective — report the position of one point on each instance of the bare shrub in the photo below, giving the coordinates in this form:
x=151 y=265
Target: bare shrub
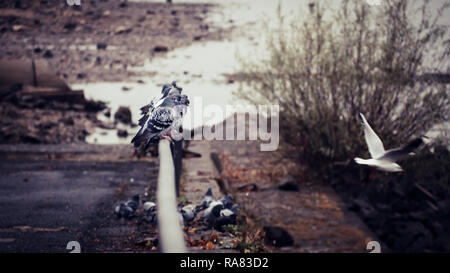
x=327 y=66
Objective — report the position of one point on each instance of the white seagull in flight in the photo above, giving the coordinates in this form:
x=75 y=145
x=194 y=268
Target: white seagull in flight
x=381 y=159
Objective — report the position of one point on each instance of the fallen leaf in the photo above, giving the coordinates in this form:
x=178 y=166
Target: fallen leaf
x=209 y=246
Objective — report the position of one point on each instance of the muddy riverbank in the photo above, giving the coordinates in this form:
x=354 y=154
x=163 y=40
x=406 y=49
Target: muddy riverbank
x=99 y=41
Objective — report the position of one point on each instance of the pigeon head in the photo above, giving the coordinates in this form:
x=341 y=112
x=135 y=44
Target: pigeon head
x=209 y=192
x=136 y=198
x=227 y=200
x=174 y=84
x=235 y=208
x=166 y=89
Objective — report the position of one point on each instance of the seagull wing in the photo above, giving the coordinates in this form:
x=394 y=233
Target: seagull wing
x=394 y=155
x=376 y=148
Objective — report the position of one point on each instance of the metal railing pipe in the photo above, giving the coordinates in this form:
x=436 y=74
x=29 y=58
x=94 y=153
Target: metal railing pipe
x=170 y=233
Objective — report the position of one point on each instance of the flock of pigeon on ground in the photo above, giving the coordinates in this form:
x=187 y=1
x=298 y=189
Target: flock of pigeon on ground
x=215 y=213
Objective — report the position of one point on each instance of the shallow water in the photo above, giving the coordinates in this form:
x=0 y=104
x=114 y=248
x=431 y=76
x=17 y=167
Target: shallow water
x=199 y=68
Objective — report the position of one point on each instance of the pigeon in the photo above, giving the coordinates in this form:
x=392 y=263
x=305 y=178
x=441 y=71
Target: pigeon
x=149 y=205
x=188 y=212
x=162 y=118
x=381 y=159
x=227 y=201
x=226 y=217
x=207 y=199
x=122 y=210
x=212 y=213
x=133 y=203
x=150 y=213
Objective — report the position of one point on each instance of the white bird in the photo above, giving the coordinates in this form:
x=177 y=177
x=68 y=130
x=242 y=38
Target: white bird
x=381 y=159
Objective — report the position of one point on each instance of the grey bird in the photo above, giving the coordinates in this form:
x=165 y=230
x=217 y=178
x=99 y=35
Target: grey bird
x=150 y=211
x=212 y=213
x=207 y=198
x=381 y=159
x=226 y=217
x=188 y=212
x=124 y=211
x=227 y=201
x=163 y=118
x=133 y=203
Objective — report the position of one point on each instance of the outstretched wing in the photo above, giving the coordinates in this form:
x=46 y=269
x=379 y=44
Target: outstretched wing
x=394 y=155
x=376 y=148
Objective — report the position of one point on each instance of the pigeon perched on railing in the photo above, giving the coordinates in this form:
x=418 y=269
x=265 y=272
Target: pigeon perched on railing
x=381 y=159
x=162 y=118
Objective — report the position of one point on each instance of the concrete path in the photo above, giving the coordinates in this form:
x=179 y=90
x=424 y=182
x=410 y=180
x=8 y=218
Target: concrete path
x=53 y=194
x=198 y=173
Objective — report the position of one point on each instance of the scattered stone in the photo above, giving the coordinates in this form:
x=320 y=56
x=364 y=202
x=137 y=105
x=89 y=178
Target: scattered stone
x=48 y=54
x=160 y=48
x=277 y=236
x=94 y=106
x=102 y=46
x=81 y=76
x=122 y=30
x=288 y=183
x=148 y=242
x=248 y=187
x=68 y=121
x=122 y=133
x=363 y=207
x=123 y=114
x=18 y=28
x=70 y=26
